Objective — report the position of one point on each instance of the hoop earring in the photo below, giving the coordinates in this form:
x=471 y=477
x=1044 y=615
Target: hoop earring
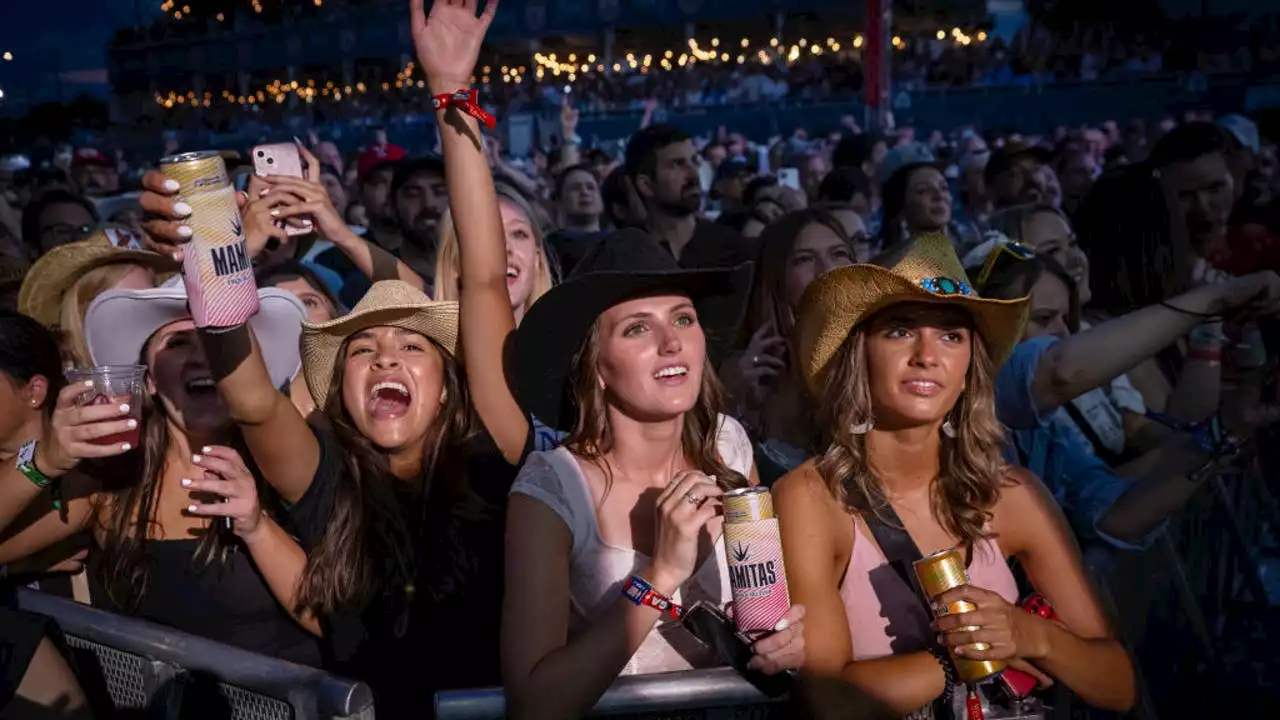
x=862 y=428
x=948 y=429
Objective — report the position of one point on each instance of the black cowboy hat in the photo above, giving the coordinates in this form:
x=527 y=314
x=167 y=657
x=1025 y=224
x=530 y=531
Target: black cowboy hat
x=624 y=265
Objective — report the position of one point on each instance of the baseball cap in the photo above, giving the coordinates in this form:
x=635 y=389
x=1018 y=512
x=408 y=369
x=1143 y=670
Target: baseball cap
x=375 y=157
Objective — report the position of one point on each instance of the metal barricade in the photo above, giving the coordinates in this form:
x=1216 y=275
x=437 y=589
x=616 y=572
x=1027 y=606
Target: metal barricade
x=158 y=672
x=695 y=694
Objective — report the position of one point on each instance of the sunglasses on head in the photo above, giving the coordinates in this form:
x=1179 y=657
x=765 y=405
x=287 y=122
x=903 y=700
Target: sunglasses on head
x=1011 y=250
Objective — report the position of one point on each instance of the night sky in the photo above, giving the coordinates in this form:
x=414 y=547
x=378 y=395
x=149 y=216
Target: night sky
x=60 y=39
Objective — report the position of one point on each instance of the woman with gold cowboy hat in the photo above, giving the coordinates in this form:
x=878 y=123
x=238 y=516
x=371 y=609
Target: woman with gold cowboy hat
x=398 y=490
x=620 y=355
x=60 y=286
x=901 y=358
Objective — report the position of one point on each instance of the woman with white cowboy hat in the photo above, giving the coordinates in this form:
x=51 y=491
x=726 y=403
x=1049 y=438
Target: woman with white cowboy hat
x=399 y=496
x=620 y=355
x=161 y=549
x=901 y=358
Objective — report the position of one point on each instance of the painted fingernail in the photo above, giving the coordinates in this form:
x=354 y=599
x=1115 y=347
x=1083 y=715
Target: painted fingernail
x=960 y=650
x=195 y=458
x=264 y=192
x=295 y=139
x=783 y=624
x=125 y=447
x=124 y=407
x=133 y=424
x=181 y=209
x=171 y=185
x=206 y=449
x=275 y=212
x=192 y=508
x=940 y=641
x=186 y=482
x=185 y=231
x=88 y=383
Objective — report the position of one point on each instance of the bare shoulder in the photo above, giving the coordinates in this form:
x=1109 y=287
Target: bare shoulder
x=802 y=485
x=1025 y=509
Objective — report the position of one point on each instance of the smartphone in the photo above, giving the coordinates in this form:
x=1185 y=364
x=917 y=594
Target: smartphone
x=789 y=177
x=714 y=629
x=282 y=159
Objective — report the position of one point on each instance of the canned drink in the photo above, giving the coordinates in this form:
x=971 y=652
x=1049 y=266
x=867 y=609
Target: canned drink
x=216 y=269
x=753 y=547
x=939 y=573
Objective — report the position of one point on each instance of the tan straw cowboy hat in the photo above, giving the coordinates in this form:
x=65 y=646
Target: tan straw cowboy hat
x=924 y=269
x=57 y=270
x=389 y=303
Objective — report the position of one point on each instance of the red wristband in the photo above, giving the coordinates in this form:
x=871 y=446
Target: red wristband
x=467 y=101
x=1212 y=356
x=639 y=591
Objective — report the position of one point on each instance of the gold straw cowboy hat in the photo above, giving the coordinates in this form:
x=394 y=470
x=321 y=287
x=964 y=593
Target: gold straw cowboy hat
x=389 y=303
x=57 y=270
x=925 y=269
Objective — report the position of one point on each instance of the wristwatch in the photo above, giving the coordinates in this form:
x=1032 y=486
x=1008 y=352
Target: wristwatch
x=27 y=466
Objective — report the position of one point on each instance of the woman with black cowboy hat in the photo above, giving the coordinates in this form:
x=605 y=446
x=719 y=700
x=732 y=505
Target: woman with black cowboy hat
x=621 y=356
x=902 y=359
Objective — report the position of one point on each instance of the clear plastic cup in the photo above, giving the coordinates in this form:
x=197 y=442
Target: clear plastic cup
x=112 y=384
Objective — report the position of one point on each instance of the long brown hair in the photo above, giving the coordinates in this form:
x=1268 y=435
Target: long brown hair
x=973 y=465
x=126 y=513
x=592 y=437
x=367 y=548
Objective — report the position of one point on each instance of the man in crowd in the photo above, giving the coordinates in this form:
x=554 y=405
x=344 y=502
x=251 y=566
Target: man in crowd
x=93 y=173
x=1014 y=175
x=662 y=165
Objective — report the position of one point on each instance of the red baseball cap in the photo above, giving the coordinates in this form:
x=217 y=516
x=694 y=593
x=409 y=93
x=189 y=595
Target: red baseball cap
x=375 y=156
x=86 y=157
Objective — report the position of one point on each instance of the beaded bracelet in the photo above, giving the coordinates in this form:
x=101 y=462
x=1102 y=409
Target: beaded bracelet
x=939 y=653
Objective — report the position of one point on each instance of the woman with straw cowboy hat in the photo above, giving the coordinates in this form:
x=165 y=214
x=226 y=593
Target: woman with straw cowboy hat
x=620 y=355
x=399 y=493
x=60 y=286
x=901 y=358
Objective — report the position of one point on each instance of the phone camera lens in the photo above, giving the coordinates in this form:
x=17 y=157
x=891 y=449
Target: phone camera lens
x=261 y=153
x=271 y=161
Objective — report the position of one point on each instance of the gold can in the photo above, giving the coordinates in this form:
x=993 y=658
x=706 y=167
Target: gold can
x=937 y=574
x=216 y=268
x=746 y=505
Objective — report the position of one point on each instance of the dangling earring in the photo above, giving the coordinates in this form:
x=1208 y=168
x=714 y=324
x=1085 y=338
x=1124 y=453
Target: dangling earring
x=948 y=429
x=862 y=428
x=444 y=395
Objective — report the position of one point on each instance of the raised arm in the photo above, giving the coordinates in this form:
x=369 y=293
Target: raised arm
x=1095 y=356
x=307 y=198
x=810 y=546
x=448 y=43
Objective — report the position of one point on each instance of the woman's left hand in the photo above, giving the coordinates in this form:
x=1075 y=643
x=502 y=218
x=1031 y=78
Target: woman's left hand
x=226 y=476
x=448 y=40
x=1009 y=630
x=784 y=649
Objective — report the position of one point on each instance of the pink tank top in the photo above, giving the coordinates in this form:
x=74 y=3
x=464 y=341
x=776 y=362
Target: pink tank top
x=885 y=615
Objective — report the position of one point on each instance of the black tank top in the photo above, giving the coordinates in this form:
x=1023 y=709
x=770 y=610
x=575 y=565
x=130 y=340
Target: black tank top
x=225 y=601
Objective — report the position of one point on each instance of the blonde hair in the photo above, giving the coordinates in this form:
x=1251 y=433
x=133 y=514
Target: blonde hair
x=447 y=262
x=972 y=464
x=75 y=303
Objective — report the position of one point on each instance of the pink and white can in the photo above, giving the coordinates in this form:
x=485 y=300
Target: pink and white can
x=216 y=268
x=753 y=549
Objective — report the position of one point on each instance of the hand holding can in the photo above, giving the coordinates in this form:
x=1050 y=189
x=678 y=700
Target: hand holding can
x=940 y=574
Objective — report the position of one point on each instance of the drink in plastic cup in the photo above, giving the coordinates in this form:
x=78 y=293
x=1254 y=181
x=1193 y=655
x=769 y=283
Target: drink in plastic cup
x=112 y=384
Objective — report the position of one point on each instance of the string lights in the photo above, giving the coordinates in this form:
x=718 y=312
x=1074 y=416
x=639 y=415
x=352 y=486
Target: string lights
x=566 y=68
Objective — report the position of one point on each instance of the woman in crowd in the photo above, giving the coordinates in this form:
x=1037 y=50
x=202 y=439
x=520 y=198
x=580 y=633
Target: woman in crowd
x=1066 y=452
x=621 y=355
x=766 y=383
x=529 y=270
x=60 y=285
x=916 y=199
x=399 y=498
x=157 y=554
x=321 y=304
x=903 y=358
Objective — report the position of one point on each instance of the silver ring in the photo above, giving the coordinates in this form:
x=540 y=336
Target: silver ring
x=692 y=499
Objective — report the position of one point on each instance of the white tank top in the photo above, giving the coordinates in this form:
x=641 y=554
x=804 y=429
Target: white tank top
x=598 y=570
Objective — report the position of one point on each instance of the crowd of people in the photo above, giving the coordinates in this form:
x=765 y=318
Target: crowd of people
x=481 y=402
